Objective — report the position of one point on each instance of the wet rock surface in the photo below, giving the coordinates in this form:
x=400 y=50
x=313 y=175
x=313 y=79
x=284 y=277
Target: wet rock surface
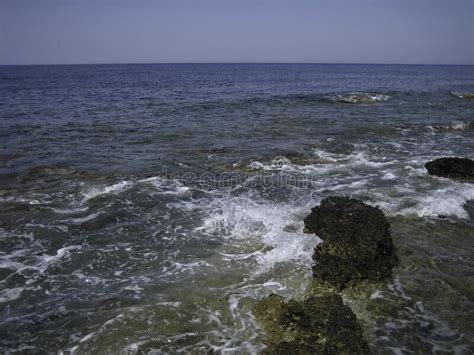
x=453 y=168
x=356 y=246
x=317 y=325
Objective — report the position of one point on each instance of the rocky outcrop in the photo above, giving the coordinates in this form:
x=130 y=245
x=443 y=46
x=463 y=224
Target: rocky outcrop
x=463 y=95
x=359 y=98
x=317 y=325
x=356 y=246
x=453 y=168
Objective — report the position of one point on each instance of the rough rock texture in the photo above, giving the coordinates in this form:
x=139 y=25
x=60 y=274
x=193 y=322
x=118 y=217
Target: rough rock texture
x=454 y=168
x=356 y=246
x=286 y=348
x=318 y=325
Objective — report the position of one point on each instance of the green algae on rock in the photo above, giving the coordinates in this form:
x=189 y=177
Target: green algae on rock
x=285 y=348
x=317 y=325
x=357 y=244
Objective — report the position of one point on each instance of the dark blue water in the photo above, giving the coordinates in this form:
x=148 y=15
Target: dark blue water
x=147 y=207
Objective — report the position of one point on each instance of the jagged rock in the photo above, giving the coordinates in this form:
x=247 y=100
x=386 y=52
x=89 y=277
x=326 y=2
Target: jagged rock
x=357 y=244
x=317 y=325
x=454 y=168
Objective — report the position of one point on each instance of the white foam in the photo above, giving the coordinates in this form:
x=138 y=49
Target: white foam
x=359 y=97
x=462 y=95
x=69 y=210
x=330 y=157
x=111 y=189
x=254 y=219
x=389 y=176
x=48 y=260
x=21 y=200
x=167 y=186
x=43 y=262
x=459 y=125
x=447 y=201
x=376 y=295
x=83 y=219
x=286 y=247
x=10 y=294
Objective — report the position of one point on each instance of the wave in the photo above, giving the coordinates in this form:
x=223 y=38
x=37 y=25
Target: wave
x=252 y=218
x=399 y=185
x=463 y=95
x=456 y=126
x=358 y=98
x=105 y=190
x=308 y=98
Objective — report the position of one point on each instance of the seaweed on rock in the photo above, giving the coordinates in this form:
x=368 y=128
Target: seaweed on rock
x=317 y=325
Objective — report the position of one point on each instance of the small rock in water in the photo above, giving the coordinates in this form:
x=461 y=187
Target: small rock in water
x=356 y=246
x=362 y=98
x=317 y=325
x=463 y=95
x=454 y=168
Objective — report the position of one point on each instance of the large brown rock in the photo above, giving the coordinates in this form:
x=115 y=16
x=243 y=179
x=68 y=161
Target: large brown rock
x=356 y=246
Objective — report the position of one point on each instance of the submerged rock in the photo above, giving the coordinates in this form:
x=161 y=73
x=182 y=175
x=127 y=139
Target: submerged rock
x=360 y=98
x=454 y=168
x=317 y=325
x=357 y=244
x=463 y=95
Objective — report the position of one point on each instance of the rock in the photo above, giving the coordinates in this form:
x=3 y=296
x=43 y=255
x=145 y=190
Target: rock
x=356 y=246
x=454 y=168
x=317 y=325
x=463 y=95
x=361 y=98
x=285 y=348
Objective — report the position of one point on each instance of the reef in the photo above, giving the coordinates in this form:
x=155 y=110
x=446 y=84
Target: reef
x=359 y=98
x=453 y=168
x=463 y=95
x=356 y=246
x=317 y=325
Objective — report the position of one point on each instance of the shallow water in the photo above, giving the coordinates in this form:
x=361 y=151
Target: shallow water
x=147 y=207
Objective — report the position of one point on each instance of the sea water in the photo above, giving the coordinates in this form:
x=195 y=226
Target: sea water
x=146 y=208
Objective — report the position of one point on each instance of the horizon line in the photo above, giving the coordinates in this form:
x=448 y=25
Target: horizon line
x=233 y=63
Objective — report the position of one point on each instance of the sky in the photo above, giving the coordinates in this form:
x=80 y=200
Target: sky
x=210 y=31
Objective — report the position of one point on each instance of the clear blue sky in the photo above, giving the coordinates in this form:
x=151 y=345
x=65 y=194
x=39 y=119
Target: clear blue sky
x=152 y=31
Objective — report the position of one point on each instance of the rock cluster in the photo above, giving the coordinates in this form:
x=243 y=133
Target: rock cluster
x=356 y=246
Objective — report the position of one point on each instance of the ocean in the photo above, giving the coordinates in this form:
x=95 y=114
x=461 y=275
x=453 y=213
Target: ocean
x=146 y=208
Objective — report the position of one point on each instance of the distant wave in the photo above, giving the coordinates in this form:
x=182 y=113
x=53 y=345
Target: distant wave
x=358 y=98
x=304 y=98
x=463 y=95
